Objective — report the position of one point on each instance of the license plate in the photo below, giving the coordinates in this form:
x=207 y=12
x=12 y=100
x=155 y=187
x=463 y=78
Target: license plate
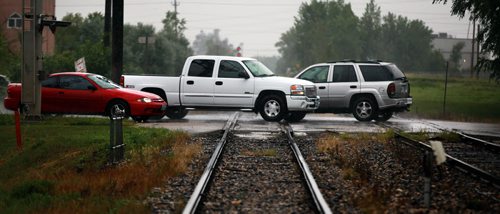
x=409 y=101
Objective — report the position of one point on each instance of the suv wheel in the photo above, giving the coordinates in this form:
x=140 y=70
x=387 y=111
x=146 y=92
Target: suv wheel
x=295 y=116
x=273 y=108
x=364 y=109
x=382 y=117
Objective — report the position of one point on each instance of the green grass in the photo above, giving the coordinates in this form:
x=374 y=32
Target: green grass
x=467 y=99
x=63 y=166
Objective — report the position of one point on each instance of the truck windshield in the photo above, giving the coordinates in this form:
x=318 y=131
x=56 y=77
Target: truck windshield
x=257 y=68
x=103 y=82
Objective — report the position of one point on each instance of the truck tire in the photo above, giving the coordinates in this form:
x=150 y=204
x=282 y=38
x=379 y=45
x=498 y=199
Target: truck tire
x=273 y=108
x=176 y=113
x=364 y=109
x=140 y=119
x=383 y=116
x=117 y=105
x=295 y=116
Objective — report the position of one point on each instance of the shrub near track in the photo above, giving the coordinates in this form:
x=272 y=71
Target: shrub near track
x=63 y=166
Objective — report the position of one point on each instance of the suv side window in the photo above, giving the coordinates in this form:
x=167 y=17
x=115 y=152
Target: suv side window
x=230 y=69
x=50 y=82
x=373 y=73
x=201 y=68
x=318 y=74
x=74 y=83
x=344 y=73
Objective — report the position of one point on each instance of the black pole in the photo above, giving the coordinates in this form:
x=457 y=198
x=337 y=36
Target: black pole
x=107 y=23
x=117 y=40
x=445 y=89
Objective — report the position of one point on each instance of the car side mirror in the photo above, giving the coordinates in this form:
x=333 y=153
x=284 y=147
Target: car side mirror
x=91 y=87
x=243 y=74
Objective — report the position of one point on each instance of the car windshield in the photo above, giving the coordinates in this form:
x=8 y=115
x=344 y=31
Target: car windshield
x=257 y=68
x=103 y=82
x=398 y=74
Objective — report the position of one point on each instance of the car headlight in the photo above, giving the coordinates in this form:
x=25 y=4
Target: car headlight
x=144 y=100
x=297 y=90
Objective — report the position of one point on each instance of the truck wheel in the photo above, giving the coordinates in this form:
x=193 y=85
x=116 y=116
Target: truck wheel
x=176 y=113
x=115 y=106
x=140 y=119
x=295 y=116
x=273 y=108
x=382 y=117
x=364 y=109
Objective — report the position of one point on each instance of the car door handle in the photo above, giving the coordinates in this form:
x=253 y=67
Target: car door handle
x=353 y=86
x=190 y=82
x=322 y=87
x=218 y=82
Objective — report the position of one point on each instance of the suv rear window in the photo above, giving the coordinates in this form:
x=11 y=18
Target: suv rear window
x=373 y=73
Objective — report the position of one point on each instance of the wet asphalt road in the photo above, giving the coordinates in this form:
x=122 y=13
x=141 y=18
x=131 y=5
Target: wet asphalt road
x=206 y=121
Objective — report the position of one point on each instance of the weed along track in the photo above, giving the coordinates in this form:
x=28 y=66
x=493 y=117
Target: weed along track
x=258 y=175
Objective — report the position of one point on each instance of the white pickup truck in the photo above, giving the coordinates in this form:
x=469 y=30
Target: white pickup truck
x=223 y=82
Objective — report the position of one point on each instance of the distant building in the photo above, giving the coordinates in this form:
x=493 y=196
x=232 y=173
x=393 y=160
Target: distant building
x=11 y=24
x=444 y=44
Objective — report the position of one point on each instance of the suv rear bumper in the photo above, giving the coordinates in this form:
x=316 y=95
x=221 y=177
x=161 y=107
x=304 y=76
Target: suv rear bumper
x=398 y=104
x=302 y=103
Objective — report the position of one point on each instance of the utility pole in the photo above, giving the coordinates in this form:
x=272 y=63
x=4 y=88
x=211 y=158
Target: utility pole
x=473 y=49
x=117 y=40
x=107 y=23
x=31 y=97
x=477 y=50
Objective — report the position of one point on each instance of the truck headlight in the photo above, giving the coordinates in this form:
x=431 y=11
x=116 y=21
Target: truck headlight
x=297 y=90
x=144 y=100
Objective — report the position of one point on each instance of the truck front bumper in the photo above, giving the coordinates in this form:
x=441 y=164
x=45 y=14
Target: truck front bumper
x=302 y=103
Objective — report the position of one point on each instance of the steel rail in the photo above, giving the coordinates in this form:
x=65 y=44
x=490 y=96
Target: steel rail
x=318 y=198
x=489 y=145
x=450 y=160
x=199 y=190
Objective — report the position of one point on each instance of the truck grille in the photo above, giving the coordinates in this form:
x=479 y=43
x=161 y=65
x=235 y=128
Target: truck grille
x=311 y=91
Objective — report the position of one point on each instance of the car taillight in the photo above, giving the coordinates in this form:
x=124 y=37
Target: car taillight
x=391 y=90
x=122 y=81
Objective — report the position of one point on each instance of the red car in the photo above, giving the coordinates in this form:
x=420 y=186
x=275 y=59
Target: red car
x=86 y=93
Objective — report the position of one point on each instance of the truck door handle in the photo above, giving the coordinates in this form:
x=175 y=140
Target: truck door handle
x=322 y=87
x=190 y=82
x=353 y=86
x=218 y=82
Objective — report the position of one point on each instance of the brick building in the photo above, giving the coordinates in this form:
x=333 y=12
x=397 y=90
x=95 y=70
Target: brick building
x=11 y=24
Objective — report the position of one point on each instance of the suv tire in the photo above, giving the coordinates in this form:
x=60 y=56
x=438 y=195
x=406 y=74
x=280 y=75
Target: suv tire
x=383 y=116
x=295 y=116
x=364 y=109
x=272 y=108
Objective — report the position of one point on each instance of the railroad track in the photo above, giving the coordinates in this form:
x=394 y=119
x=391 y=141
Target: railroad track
x=256 y=175
x=470 y=155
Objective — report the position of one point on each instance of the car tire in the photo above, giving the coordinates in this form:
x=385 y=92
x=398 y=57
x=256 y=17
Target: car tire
x=384 y=116
x=176 y=113
x=272 y=108
x=364 y=109
x=295 y=116
x=117 y=104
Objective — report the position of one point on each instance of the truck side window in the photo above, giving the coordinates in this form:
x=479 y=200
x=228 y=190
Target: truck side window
x=74 y=83
x=201 y=68
x=373 y=73
x=230 y=69
x=317 y=74
x=51 y=82
x=344 y=73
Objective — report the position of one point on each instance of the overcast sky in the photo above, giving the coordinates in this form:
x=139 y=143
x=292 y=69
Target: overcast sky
x=258 y=24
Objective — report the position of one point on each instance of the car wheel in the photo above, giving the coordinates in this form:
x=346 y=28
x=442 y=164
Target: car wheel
x=295 y=116
x=364 y=109
x=176 y=113
x=382 y=117
x=140 y=119
x=273 y=108
x=115 y=108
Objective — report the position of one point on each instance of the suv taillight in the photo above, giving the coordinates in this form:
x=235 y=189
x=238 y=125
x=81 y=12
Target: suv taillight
x=122 y=81
x=391 y=90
